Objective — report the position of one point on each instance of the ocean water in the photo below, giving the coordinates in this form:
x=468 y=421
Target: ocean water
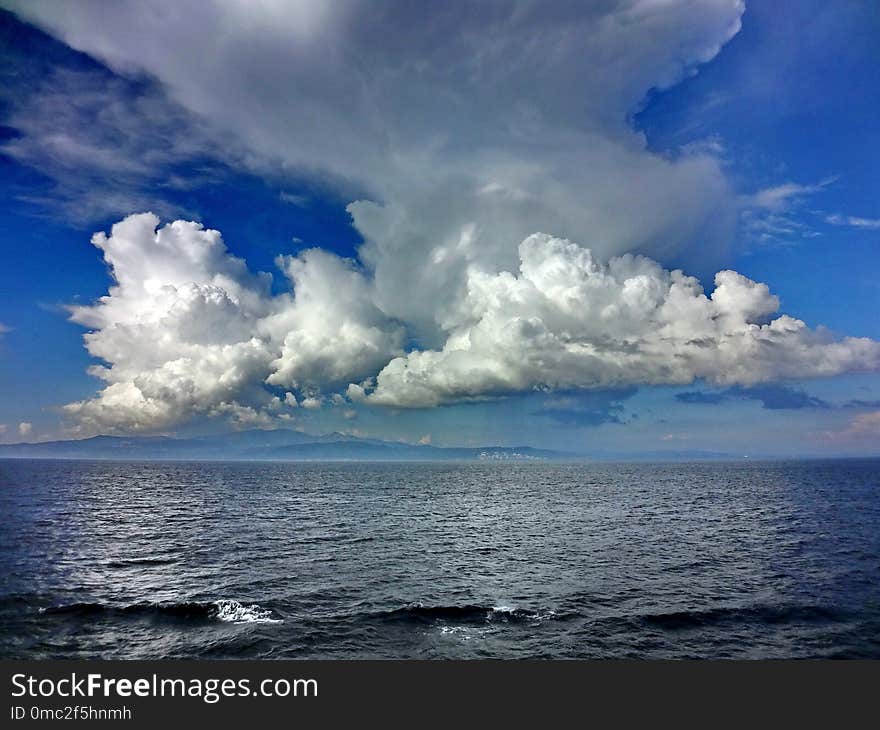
x=348 y=560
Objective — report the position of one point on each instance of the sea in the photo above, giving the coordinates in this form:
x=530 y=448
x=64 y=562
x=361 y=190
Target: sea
x=740 y=560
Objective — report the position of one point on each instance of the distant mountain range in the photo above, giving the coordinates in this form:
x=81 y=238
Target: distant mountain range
x=288 y=445
x=277 y=445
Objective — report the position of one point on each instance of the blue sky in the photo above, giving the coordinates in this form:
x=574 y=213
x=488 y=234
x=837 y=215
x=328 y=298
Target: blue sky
x=761 y=159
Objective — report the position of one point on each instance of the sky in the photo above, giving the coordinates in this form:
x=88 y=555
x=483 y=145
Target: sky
x=622 y=226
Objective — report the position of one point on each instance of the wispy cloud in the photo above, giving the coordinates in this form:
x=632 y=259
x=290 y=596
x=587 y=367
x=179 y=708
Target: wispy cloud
x=773 y=215
x=105 y=145
x=865 y=426
x=779 y=198
x=300 y=201
x=858 y=403
x=852 y=221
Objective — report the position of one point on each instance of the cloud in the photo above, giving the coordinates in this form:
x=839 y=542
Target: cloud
x=698 y=396
x=580 y=410
x=779 y=198
x=455 y=133
x=300 y=201
x=188 y=330
x=771 y=396
x=770 y=214
x=779 y=397
x=4 y=329
x=862 y=404
x=863 y=426
x=334 y=333
x=567 y=320
x=109 y=145
x=853 y=221
x=866 y=424
x=25 y=429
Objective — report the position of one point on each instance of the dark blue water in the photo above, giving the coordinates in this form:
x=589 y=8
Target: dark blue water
x=138 y=560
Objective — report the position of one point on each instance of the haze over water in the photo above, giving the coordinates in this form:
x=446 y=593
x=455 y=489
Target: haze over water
x=462 y=560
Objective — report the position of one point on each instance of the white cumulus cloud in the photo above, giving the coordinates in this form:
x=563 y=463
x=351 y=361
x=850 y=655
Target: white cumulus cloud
x=334 y=333
x=187 y=330
x=567 y=320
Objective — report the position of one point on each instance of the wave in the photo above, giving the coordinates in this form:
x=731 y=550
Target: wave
x=239 y=613
x=467 y=613
x=477 y=615
x=225 y=610
x=140 y=562
x=761 y=614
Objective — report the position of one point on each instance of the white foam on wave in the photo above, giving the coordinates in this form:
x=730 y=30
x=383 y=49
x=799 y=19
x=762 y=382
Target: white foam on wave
x=238 y=613
x=507 y=612
x=503 y=609
x=464 y=633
